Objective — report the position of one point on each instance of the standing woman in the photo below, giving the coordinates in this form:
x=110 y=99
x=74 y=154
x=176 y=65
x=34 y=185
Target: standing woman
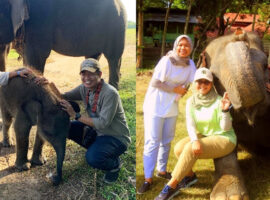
x=208 y=114
x=172 y=74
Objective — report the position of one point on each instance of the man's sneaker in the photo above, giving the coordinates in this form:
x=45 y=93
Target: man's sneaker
x=144 y=188
x=188 y=181
x=112 y=175
x=167 y=175
x=168 y=193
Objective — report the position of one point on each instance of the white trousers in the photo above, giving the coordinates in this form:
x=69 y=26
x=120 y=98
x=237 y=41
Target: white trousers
x=158 y=134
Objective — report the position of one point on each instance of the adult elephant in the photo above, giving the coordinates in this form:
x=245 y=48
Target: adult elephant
x=4 y=50
x=74 y=28
x=239 y=66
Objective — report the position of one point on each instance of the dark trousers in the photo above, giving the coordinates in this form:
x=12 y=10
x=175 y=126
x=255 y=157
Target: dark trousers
x=103 y=153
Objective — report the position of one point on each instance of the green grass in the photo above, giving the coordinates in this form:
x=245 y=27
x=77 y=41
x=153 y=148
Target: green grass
x=255 y=169
x=13 y=54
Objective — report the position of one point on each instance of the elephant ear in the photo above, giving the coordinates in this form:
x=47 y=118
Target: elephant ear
x=19 y=13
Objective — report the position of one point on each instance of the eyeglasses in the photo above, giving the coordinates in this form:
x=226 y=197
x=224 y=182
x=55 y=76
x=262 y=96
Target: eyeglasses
x=205 y=82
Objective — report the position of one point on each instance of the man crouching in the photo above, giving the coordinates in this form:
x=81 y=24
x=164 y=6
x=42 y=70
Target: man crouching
x=103 y=131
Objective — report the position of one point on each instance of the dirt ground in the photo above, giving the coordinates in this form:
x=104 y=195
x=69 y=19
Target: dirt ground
x=33 y=184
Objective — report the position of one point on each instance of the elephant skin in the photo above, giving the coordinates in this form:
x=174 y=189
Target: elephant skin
x=239 y=66
x=30 y=104
x=74 y=28
x=4 y=50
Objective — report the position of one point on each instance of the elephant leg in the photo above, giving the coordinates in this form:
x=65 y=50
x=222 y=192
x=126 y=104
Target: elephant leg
x=7 y=120
x=229 y=181
x=37 y=158
x=59 y=145
x=35 y=55
x=114 y=70
x=4 y=50
x=2 y=57
x=1 y=121
x=22 y=128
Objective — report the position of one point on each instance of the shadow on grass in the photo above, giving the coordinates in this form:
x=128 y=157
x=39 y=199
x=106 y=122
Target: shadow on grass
x=256 y=174
x=201 y=190
x=6 y=150
x=7 y=171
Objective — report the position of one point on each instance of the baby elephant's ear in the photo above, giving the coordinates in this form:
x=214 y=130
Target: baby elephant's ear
x=19 y=13
x=75 y=106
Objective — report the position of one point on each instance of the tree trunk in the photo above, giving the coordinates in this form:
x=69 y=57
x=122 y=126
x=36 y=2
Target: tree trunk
x=165 y=28
x=229 y=25
x=200 y=40
x=253 y=22
x=188 y=17
x=139 y=62
x=222 y=26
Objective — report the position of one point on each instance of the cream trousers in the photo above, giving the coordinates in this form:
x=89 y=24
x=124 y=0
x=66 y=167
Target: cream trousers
x=212 y=147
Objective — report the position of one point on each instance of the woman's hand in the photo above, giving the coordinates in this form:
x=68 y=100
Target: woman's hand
x=196 y=148
x=66 y=106
x=225 y=102
x=180 y=90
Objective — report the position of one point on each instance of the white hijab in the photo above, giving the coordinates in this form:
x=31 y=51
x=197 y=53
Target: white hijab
x=174 y=58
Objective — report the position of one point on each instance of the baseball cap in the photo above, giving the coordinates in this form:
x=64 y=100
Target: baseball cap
x=90 y=65
x=203 y=73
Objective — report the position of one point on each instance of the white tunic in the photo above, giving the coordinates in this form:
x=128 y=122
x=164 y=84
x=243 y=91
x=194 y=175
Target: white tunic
x=160 y=103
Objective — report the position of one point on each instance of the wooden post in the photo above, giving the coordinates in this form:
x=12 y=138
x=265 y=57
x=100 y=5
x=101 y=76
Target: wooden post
x=139 y=55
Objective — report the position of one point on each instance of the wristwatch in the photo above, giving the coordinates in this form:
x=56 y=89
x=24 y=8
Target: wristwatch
x=77 y=116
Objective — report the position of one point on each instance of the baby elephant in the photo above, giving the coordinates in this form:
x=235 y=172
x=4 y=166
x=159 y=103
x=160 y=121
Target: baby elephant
x=31 y=104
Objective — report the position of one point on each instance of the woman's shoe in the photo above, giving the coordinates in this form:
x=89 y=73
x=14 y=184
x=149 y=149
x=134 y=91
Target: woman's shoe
x=168 y=193
x=167 y=175
x=188 y=181
x=144 y=188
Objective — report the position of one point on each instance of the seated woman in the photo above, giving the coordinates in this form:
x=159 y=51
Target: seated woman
x=207 y=114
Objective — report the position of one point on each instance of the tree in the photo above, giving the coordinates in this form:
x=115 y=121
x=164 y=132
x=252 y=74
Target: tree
x=188 y=16
x=209 y=13
x=139 y=62
x=163 y=44
x=142 y=5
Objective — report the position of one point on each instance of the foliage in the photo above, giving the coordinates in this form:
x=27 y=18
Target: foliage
x=127 y=175
x=13 y=54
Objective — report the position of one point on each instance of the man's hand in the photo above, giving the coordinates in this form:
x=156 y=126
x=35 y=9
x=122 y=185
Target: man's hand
x=196 y=148
x=25 y=72
x=66 y=106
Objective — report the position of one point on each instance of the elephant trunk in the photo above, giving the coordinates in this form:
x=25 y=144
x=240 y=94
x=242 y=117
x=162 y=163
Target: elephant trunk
x=241 y=79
